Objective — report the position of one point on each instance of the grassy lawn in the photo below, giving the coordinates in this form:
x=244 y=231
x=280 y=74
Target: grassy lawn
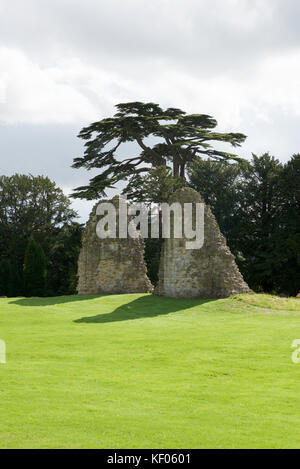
x=138 y=371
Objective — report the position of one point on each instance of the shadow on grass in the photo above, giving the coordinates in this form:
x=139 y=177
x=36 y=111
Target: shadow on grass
x=53 y=300
x=148 y=306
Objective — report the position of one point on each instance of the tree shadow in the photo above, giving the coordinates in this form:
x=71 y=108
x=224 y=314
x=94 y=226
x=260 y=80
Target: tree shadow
x=148 y=306
x=53 y=300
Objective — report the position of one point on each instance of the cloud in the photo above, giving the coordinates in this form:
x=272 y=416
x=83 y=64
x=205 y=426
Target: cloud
x=66 y=63
x=210 y=34
x=70 y=61
x=32 y=94
x=73 y=92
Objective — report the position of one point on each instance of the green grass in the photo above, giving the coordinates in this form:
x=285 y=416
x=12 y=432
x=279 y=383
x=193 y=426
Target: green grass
x=138 y=371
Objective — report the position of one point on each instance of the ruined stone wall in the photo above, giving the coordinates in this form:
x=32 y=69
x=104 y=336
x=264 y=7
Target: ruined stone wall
x=209 y=272
x=111 y=265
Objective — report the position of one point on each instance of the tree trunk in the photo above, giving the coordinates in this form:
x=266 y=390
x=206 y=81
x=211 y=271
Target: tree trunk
x=175 y=168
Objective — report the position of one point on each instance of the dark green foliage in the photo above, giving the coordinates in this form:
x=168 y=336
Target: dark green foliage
x=62 y=260
x=218 y=185
x=154 y=187
x=152 y=258
x=11 y=278
x=4 y=272
x=179 y=139
x=36 y=205
x=35 y=271
x=259 y=215
x=287 y=272
x=15 y=278
x=258 y=210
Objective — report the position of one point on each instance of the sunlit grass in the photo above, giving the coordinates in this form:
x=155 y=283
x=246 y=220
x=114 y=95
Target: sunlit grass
x=138 y=371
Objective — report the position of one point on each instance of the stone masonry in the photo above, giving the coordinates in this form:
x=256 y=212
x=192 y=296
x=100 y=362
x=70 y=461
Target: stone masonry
x=108 y=266
x=209 y=272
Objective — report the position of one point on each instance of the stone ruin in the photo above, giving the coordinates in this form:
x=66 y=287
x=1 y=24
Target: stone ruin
x=209 y=272
x=111 y=266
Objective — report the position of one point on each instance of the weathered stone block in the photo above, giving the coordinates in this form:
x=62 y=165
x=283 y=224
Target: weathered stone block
x=111 y=265
x=209 y=272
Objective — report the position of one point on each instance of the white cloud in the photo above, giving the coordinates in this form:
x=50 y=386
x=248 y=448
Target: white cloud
x=32 y=94
x=66 y=63
x=75 y=92
x=278 y=83
x=69 y=61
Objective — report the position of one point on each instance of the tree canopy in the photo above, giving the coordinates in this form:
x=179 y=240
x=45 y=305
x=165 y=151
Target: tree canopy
x=257 y=206
x=34 y=205
x=35 y=271
x=167 y=137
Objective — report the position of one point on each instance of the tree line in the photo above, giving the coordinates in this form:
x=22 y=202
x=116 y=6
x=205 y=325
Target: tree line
x=39 y=238
x=256 y=203
x=257 y=206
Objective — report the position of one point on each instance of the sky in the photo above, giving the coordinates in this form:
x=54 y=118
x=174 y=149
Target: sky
x=66 y=63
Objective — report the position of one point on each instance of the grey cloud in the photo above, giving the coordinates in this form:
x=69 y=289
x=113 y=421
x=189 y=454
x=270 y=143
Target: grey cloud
x=41 y=150
x=159 y=50
x=203 y=35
